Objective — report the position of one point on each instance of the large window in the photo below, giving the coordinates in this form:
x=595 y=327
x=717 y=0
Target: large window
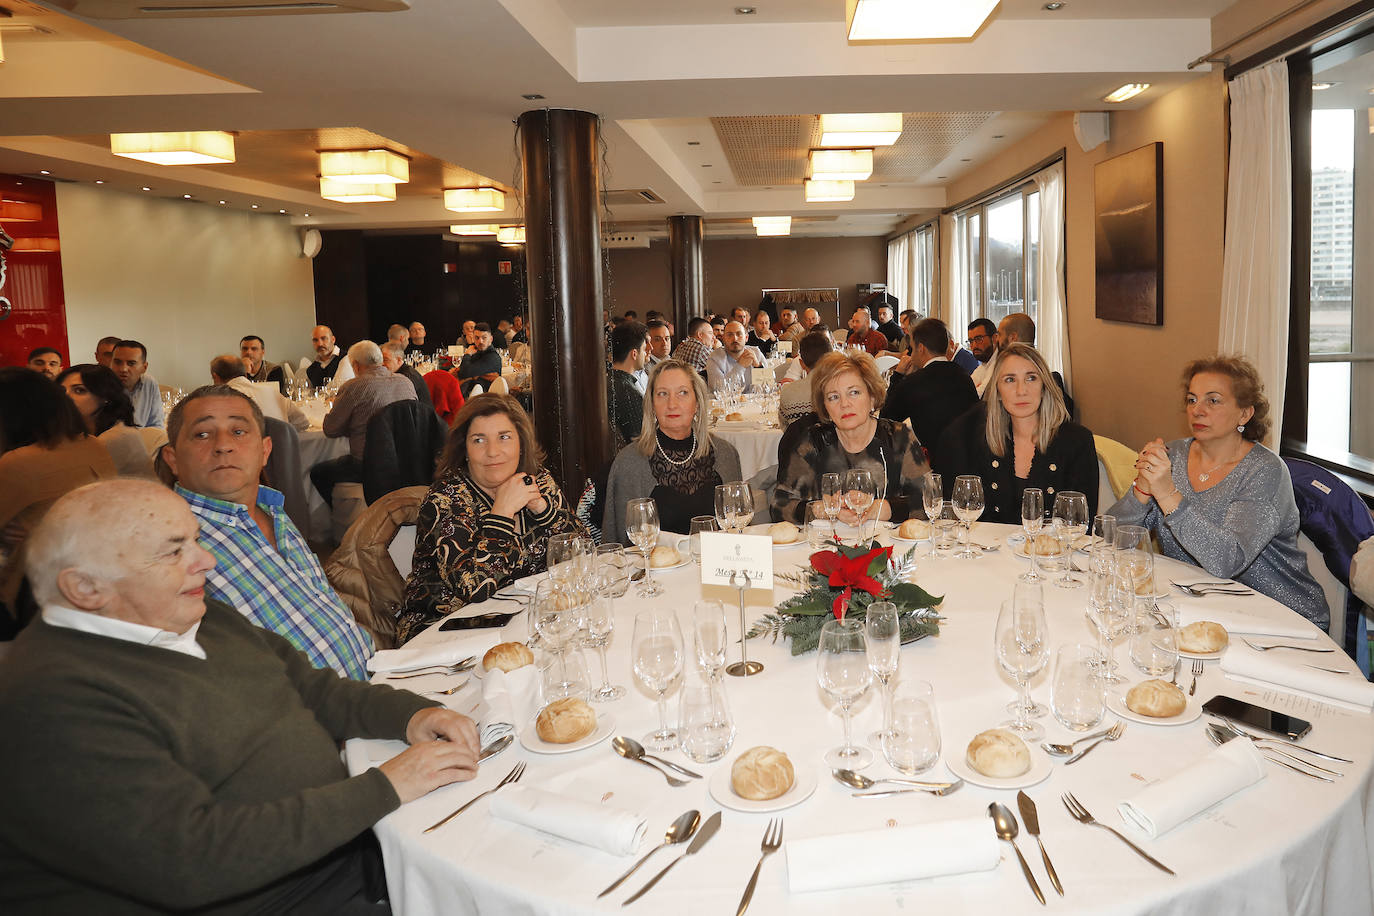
x=911 y=261
x=1002 y=241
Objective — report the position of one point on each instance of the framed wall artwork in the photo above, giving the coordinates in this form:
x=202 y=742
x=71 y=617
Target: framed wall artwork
x=1129 y=236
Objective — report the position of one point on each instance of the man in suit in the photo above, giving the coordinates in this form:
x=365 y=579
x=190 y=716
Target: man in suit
x=937 y=392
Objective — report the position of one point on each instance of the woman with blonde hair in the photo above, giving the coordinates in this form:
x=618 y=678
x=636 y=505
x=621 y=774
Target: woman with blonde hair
x=1020 y=436
x=846 y=433
x=1219 y=498
x=675 y=461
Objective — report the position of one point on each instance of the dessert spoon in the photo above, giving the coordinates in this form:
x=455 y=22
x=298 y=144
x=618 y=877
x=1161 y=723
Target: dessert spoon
x=859 y=781
x=679 y=831
x=1064 y=750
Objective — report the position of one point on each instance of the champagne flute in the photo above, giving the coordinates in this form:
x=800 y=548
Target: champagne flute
x=859 y=494
x=708 y=637
x=933 y=501
x=657 y=653
x=842 y=672
x=742 y=501
x=1114 y=614
x=1032 y=520
x=600 y=621
x=968 y=505
x=832 y=495
x=641 y=524
x=724 y=508
x=1022 y=643
x=883 y=635
x=1070 y=520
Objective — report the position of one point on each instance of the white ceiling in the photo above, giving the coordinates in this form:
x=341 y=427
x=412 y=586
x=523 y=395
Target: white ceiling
x=446 y=78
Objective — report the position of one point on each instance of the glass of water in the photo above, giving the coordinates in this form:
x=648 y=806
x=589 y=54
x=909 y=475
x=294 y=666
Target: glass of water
x=1076 y=693
x=705 y=723
x=912 y=744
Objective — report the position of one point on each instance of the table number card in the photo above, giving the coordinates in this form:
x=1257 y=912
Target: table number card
x=723 y=554
x=785 y=346
x=761 y=377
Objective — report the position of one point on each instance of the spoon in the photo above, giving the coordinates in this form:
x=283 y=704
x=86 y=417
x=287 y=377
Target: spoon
x=679 y=831
x=1005 y=823
x=636 y=749
x=860 y=781
x=1064 y=750
x=633 y=750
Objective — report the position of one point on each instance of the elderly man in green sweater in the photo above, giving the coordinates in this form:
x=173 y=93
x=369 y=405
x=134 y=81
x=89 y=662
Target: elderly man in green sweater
x=164 y=754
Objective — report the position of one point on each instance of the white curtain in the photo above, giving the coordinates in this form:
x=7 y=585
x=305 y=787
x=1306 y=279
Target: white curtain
x=1052 y=332
x=898 y=267
x=961 y=310
x=1255 y=270
x=922 y=247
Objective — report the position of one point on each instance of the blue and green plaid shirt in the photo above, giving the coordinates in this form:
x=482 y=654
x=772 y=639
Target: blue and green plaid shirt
x=284 y=589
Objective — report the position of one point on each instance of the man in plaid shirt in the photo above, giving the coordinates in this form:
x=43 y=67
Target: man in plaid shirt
x=697 y=345
x=263 y=567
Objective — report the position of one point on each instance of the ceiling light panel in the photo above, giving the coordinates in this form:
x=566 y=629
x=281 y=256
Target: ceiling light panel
x=772 y=225
x=850 y=130
x=349 y=193
x=475 y=229
x=841 y=164
x=474 y=200
x=822 y=191
x=511 y=235
x=192 y=147
x=1126 y=92
x=909 y=20
x=365 y=166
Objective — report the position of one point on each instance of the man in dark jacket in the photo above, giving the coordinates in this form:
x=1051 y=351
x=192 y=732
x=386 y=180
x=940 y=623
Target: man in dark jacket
x=937 y=392
x=624 y=403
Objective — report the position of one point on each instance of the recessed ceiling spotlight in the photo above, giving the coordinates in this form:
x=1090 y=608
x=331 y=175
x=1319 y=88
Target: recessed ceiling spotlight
x=281 y=211
x=746 y=10
x=44 y=172
x=100 y=181
x=186 y=197
x=255 y=206
x=531 y=96
x=1054 y=6
x=1316 y=87
x=146 y=188
x=307 y=215
x=223 y=201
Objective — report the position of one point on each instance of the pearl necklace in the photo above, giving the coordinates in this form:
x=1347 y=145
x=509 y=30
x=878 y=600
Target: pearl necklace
x=683 y=462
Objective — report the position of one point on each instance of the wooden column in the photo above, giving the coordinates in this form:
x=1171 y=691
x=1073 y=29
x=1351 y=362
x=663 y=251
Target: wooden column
x=562 y=185
x=685 y=261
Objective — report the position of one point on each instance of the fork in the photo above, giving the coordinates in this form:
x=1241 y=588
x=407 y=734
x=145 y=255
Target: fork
x=772 y=840
x=1197 y=672
x=455 y=668
x=1116 y=731
x=1204 y=591
x=1285 y=646
x=1276 y=756
x=1084 y=816
x=513 y=776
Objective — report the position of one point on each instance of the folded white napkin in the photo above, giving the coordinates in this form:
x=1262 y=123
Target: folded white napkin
x=1289 y=671
x=893 y=854
x=1223 y=772
x=1236 y=619
x=509 y=701
x=613 y=830
x=448 y=652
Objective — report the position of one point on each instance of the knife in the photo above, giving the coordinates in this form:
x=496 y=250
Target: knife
x=1031 y=819
x=707 y=831
x=496 y=747
x=478 y=622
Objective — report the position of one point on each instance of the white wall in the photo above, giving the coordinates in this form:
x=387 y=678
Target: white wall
x=186 y=279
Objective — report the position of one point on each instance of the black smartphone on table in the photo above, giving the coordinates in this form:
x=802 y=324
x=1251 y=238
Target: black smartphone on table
x=1260 y=718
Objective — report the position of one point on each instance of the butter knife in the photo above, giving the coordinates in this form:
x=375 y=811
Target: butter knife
x=1031 y=819
x=708 y=830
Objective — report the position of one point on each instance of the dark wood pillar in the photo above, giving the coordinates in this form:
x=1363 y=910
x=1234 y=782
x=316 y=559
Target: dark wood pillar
x=562 y=187
x=685 y=261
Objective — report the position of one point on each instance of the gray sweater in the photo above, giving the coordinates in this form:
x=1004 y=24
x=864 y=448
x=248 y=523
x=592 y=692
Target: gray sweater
x=631 y=478
x=1244 y=528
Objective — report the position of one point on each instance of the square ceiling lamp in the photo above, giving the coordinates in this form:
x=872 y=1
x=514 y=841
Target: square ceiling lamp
x=820 y=191
x=364 y=166
x=914 y=20
x=192 y=147
x=20 y=211
x=772 y=225
x=348 y=193
x=511 y=235
x=841 y=164
x=475 y=229
x=879 y=129
x=474 y=200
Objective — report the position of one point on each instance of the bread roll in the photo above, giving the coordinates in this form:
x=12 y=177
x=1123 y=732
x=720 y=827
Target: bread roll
x=999 y=754
x=565 y=721
x=734 y=416
x=664 y=555
x=784 y=533
x=913 y=529
x=507 y=656
x=1202 y=638
x=1047 y=545
x=1156 y=699
x=761 y=773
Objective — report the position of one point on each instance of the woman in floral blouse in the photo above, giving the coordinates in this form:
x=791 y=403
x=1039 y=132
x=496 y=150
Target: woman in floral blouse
x=488 y=517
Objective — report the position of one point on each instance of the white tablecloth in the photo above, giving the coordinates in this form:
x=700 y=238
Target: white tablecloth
x=316 y=447
x=1285 y=845
x=755 y=438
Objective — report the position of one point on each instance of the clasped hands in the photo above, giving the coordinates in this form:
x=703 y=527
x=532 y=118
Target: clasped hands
x=520 y=491
x=443 y=749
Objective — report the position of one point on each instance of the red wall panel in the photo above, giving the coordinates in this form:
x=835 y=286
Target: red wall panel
x=33 y=281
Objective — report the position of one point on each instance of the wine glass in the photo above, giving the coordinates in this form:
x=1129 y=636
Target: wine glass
x=657 y=653
x=708 y=637
x=641 y=524
x=1032 y=520
x=1114 y=611
x=883 y=635
x=832 y=495
x=933 y=500
x=1022 y=643
x=600 y=623
x=842 y=672
x=859 y=494
x=968 y=505
x=734 y=505
x=1070 y=520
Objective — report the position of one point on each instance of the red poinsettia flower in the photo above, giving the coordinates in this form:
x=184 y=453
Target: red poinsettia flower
x=849 y=573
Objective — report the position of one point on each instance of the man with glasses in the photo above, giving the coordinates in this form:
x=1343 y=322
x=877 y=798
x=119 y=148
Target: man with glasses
x=982 y=342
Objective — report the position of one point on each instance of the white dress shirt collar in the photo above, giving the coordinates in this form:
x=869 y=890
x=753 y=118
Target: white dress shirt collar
x=68 y=618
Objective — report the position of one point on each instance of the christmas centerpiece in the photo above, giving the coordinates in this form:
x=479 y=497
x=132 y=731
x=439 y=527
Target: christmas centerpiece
x=843 y=582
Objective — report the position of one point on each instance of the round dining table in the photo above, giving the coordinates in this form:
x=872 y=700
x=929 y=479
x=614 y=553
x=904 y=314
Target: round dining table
x=1285 y=844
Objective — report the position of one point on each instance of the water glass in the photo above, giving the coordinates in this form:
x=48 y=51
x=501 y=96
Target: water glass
x=1104 y=530
x=1070 y=521
x=564 y=675
x=842 y=672
x=832 y=495
x=563 y=551
x=1154 y=644
x=912 y=744
x=708 y=729
x=656 y=648
x=699 y=524
x=599 y=622
x=944 y=528
x=820 y=528
x=613 y=569
x=1076 y=693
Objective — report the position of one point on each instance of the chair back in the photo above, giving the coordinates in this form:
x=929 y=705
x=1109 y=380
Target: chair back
x=762 y=485
x=1116 y=464
x=884 y=363
x=403 y=442
x=284 y=473
x=780 y=370
x=268 y=396
x=1106 y=496
x=500 y=386
x=154 y=438
x=477 y=389
x=520 y=352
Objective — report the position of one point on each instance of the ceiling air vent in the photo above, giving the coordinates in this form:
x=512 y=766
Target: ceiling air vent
x=190 y=9
x=624 y=240
x=632 y=196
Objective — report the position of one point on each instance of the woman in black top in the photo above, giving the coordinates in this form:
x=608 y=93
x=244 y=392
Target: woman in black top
x=1020 y=436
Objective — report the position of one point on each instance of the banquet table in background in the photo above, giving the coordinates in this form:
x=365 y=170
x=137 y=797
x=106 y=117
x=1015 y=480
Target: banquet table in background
x=755 y=437
x=1286 y=844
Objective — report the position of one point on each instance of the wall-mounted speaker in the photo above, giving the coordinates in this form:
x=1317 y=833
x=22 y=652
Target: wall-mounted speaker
x=1091 y=129
x=311 y=242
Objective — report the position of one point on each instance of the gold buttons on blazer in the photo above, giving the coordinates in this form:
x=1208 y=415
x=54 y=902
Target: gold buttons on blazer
x=994 y=484
x=1053 y=468
x=994 y=463
x=1049 y=490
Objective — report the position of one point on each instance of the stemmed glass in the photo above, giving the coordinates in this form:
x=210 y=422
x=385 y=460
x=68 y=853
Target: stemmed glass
x=563 y=553
x=641 y=524
x=968 y=505
x=708 y=637
x=1070 y=520
x=1022 y=650
x=734 y=506
x=842 y=672
x=657 y=648
x=1032 y=520
x=859 y=495
x=832 y=495
x=883 y=634
x=600 y=622
x=1111 y=615
x=933 y=500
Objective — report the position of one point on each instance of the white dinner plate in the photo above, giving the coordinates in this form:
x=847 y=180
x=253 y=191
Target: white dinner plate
x=762 y=530
x=1203 y=656
x=678 y=542
x=1040 y=769
x=1116 y=702
x=605 y=724
x=803 y=784
x=1017 y=543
